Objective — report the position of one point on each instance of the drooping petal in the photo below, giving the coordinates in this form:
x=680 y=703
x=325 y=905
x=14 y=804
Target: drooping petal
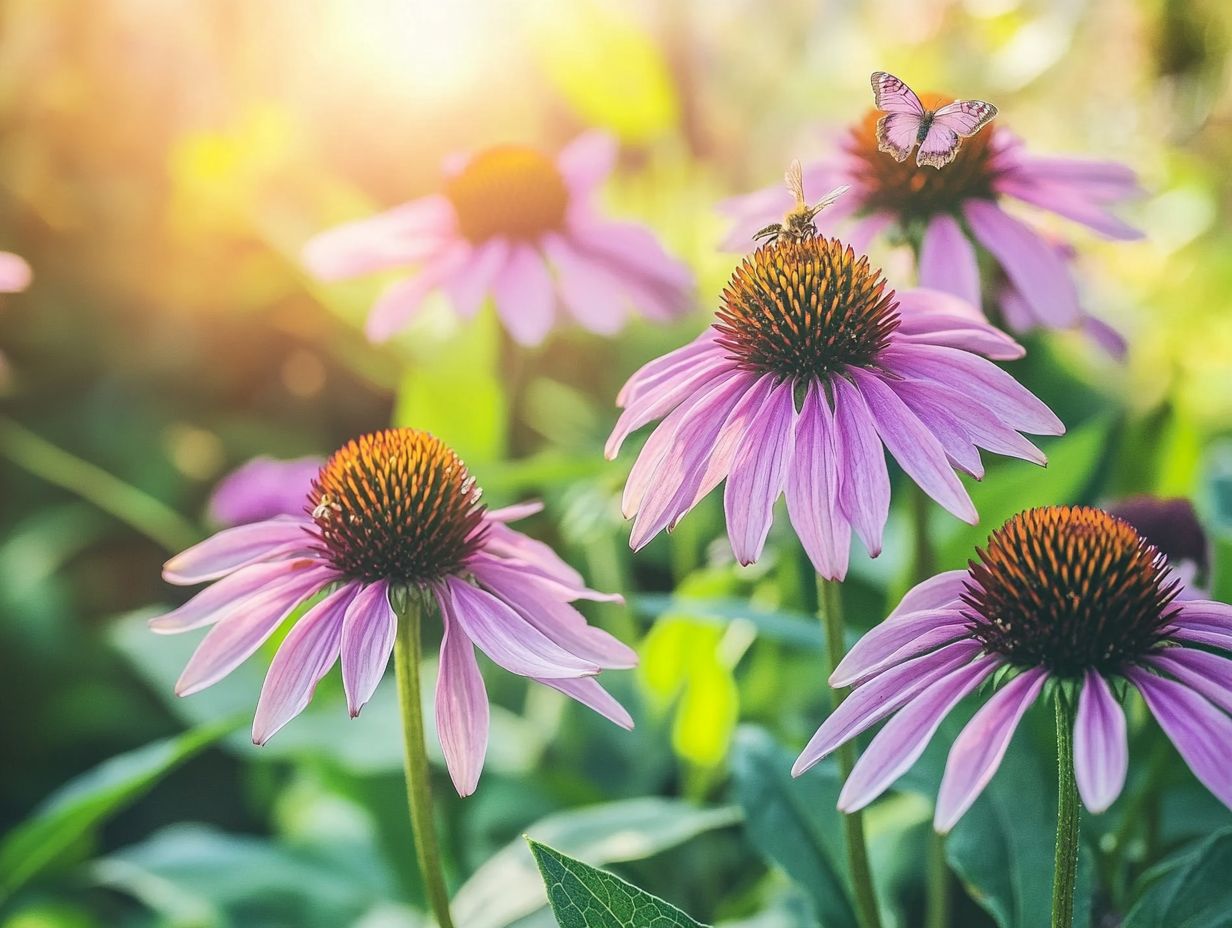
x=473 y=282
x=665 y=368
x=586 y=161
x=758 y=470
x=403 y=235
x=1203 y=672
x=368 y=631
x=657 y=283
x=262 y=489
x=1062 y=200
x=1100 y=180
x=979 y=748
x=864 y=481
x=881 y=641
x=461 y=704
x=515 y=513
x=914 y=447
x=234 y=592
x=303 y=658
x=1032 y=264
x=586 y=290
x=509 y=639
x=233 y=548
x=871 y=702
x=812 y=489
x=401 y=301
x=944 y=425
x=589 y=693
x=947 y=260
x=1201 y=732
x=1199 y=612
x=1101 y=747
x=903 y=739
x=862 y=232
x=524 y=296
x=229 y=643
x=943 y=589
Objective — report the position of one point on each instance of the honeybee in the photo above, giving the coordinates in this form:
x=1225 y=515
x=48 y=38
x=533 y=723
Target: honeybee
x=798 y=224
x=326 y=508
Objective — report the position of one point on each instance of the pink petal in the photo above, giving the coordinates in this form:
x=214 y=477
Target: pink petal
x=1202 y=733
x=368 y=631
x=586 y=289
x=1032 y=265
x=666 y=368
x=812 y=489
x=15 y=273
x=1101 y=749
x=661 y=399
x=944 y=589
x=947 y=260
x=1099 y=180
x=903 y=739
x=403 y=235
x=509 y=639
x=944 y=424
x=896 y=639
x=914 y=447
x=589 y=693
x=864 y=482
x=229 y=643
x=979 y=748
x=1205 y=612
x=461 y=704
x=1205 y=673
x=658 y=284
x=474 y=281
x=587 y=161
x=758 y=470
x=524 y=296
x=233 y=594
x=862 y=233
x=303 y=658
x=401 y=301
x=264 y=488
x=1060 y=199
x=233 y=548
x=871 y=702
x=515 y=513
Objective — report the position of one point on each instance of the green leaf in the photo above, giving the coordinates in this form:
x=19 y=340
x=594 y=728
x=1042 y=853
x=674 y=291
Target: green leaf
x=781 y=625
x=1002 y=849
x=1190 y=889
x=505 y=889
x=85 y=802
x=794 y=822
x=583 y=897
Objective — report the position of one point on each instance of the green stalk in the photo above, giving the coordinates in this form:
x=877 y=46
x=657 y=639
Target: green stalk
x=1065 y=866
x=829 y=596
x=152 y=518
x=407 y=660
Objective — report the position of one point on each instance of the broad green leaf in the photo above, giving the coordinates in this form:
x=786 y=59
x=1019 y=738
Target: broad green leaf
x=1190 y=889
x=781 y=625
x=1011 y=487
x=1002 y=849
x=505 y=889
x=794 y=822
x=85 y=802
x=583 y=897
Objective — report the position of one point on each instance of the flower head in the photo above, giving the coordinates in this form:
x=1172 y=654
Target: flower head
x=949 y=212
x=811 y=365
x=392 y=514
x=517 y=225
x=1173 y=527
x=1067 y=594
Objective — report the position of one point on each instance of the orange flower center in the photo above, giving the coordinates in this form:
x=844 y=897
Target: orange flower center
x=397 y=505
x=510 y=191
x=915 y=192
x=806 y=309
x=1069 y=588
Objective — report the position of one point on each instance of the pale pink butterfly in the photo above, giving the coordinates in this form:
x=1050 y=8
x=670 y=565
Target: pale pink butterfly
x=937 y=132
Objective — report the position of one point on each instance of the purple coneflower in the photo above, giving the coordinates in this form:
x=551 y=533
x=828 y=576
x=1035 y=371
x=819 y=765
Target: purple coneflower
x=811 y=366
x=1070 y=596
x=391 y=517
x=947 y=212
x=1173 y=527
x=262 y=489
x=519 y=226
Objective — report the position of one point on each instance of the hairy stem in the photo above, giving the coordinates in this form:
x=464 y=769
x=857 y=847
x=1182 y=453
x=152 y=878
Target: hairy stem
x=1065 y=866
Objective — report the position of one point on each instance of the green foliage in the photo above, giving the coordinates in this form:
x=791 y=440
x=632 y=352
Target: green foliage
x=1188 y=890
x=583 y=897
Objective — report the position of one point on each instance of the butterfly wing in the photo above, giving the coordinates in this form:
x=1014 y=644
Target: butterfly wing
x=893 y=96
x=965 y=117
x=938 y=148
x=896 y=134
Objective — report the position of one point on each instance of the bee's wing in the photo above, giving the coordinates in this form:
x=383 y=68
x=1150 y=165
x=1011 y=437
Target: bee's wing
x=830 y=198
x=795 y=180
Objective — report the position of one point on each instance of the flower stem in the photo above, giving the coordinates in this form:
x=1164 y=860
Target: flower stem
x=407 y=661
x=137 y=509
x=829 y=596
x=1065 y=872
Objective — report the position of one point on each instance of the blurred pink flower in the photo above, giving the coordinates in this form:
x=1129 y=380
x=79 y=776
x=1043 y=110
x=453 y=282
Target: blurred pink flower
x=1065 y=594
x=15 y=276
x=810 y=367
x=949 y=212
x=262 y=489
x=515 y=225
x=393 y=514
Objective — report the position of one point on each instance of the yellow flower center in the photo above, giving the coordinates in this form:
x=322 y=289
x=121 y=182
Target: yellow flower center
x=510 y=191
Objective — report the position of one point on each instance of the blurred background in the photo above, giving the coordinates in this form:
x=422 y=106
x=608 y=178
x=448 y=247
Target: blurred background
x=161 y=164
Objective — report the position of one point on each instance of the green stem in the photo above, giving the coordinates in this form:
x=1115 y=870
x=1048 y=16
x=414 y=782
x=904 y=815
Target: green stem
x=418 y=785
x=1065 y=867
x=152 y=518
x=829 y=596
